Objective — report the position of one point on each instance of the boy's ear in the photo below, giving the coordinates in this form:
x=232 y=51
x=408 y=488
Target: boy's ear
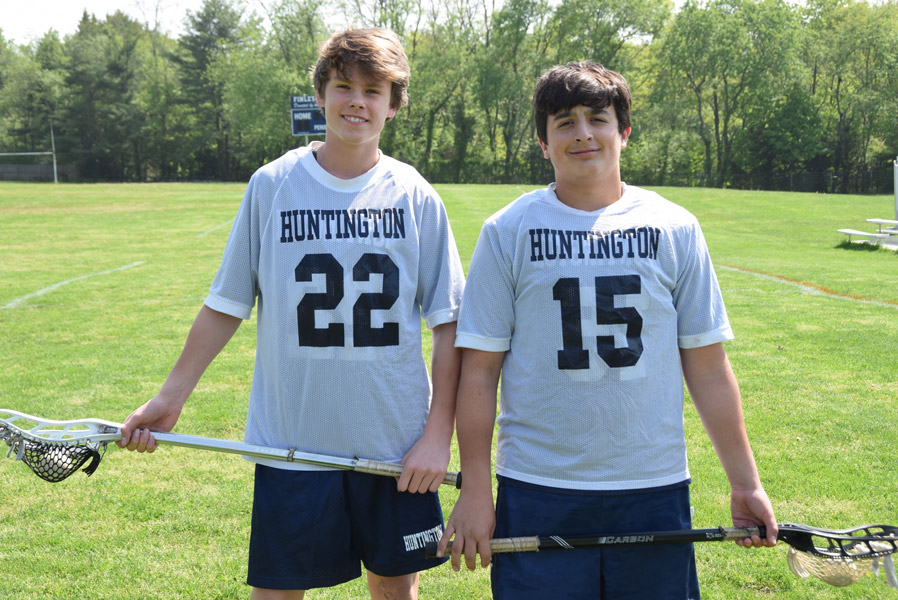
x=545 y=148
x=624 y=137
x=319 y=100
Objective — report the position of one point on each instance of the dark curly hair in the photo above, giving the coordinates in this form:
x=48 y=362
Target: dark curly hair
x=583 y=83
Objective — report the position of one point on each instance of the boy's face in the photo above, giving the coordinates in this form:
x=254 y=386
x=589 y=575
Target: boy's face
x=355 y=108
x=584 y=143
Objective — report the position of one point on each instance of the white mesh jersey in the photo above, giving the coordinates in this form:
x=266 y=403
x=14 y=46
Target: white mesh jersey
x=343 y=271
x=591 y=308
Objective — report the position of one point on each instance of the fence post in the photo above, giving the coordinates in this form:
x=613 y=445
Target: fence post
x=896 y=187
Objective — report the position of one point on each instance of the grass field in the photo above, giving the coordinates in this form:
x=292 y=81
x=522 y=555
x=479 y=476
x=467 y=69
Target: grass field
x=100 y=283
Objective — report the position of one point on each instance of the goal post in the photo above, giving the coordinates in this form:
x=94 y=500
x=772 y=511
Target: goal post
x=51 y=153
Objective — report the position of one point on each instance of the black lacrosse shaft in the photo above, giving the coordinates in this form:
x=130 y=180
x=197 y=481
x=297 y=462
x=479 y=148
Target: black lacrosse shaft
x=538 y=543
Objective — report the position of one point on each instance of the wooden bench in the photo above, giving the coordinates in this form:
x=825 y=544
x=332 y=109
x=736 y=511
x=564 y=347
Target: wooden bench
x=873 y=236
x=880 y=222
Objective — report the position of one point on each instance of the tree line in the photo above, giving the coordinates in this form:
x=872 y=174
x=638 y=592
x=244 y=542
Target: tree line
x=764 y=94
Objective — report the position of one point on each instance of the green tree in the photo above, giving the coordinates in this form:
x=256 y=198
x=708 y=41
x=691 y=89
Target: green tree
x=440 y=57
x=715 y=55
x=257 y=85
x=101 y=123
x=297 y=27
x=604 y=30
x=159 y=99
x=505 y=71
x=779 y=130
x=851 y=56
x=212 y=31
x=397 y=15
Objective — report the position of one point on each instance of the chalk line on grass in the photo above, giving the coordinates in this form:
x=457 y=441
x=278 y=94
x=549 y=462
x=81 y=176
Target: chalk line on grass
x=216 y=228
x=55 y=286
x=810 y=288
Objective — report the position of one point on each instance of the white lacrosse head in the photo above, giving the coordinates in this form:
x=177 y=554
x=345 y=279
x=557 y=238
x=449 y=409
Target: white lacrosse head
x=48 y=430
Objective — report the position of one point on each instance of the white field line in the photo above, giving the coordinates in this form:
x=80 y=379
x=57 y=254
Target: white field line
x=50 y=288
x=41 y=292
x=216 y=228
x=809 y=288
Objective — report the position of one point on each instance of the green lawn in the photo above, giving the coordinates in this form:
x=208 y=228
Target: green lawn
x=100 y=283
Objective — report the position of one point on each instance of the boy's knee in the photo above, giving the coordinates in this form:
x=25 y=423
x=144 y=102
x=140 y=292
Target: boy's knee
x=266 y=594
x=403 y=587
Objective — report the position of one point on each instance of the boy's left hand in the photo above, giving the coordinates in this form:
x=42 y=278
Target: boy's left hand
x=752 y=508
x=426 y=465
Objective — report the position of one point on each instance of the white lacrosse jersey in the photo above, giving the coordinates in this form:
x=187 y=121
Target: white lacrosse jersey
x=591 y=309
x=342 y=273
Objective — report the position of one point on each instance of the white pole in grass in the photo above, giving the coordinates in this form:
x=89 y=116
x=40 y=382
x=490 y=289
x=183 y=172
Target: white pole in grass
x=53 y=145
x=896 y=188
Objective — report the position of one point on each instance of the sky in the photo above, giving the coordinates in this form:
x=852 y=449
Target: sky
x=25 y=20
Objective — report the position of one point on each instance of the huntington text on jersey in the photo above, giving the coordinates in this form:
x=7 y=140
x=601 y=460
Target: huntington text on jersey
x=566 y=244
x=354 y=223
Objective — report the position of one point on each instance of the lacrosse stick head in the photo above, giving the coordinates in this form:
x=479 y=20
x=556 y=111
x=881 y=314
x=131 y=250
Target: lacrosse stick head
x=54 y=450
x=840 y=558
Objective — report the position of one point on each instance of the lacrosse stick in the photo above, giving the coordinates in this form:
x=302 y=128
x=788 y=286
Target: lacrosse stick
x=54 y=450
x=838 y=557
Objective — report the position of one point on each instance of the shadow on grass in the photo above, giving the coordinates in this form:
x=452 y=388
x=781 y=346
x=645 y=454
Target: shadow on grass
x=863 y=247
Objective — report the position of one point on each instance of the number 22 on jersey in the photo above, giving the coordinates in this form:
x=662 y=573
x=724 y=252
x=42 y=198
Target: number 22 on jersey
x=363 y=334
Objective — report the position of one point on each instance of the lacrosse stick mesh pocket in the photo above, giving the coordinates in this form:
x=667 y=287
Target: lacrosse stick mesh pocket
x=55 y=462
x=842 y=572
x=838 y=572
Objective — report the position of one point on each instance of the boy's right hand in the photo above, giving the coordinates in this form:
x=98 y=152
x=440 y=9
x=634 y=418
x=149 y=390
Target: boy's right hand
x=472 y=522
x=154 y=415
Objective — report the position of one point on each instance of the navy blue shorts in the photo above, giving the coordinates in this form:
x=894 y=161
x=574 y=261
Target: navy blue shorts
x=664 y=571
x=311 y=529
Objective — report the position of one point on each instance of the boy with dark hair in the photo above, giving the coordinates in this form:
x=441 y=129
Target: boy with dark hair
x=345 y=250
x=594 y=300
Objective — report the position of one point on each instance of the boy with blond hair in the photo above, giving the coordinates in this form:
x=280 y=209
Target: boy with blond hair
x=343 y=250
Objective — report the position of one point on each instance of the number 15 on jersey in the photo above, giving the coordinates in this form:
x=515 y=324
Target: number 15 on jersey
x=574 y=354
